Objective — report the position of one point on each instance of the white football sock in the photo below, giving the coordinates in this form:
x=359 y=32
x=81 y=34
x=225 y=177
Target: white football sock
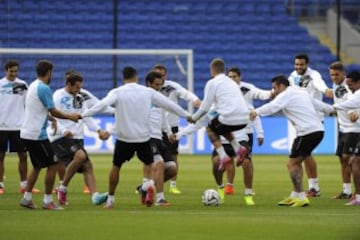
x=221 y=152
x=347 y=188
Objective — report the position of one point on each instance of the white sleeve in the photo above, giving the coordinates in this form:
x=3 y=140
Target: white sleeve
x=185 y=94
x=191 y=128
x=349 y=104
x=91 y=100
x=110 y=99
x=162 y=101
x=91 y=124
x=209 y=97
x=321 y=106
x=257 y=93
x=165 y=123
x=319 y=83
x=274 y=106
x=258 y=127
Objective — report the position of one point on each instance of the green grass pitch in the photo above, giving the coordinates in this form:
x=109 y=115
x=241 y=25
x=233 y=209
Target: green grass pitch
x=186 y=218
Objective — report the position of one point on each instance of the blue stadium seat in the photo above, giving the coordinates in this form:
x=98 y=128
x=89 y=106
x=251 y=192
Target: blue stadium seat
x=256 y=35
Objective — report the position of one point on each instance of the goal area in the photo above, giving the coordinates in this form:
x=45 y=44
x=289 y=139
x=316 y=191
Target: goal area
x=101 y=69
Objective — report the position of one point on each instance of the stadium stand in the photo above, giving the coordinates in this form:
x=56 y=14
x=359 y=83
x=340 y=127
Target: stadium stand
x=258 y=36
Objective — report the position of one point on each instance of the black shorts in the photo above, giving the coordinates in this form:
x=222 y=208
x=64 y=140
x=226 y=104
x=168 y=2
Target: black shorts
x=10 y=140
x=41 y=153
x=250 y=142
x=65 y=149
x=304 y=145
x=220 y=129
x=357 y=149
x=159 y=147
x=124 y=151
x=347 y=143
x=173 y=147
x=230 y=150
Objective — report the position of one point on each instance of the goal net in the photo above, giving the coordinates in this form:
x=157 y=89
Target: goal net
x=101 y=69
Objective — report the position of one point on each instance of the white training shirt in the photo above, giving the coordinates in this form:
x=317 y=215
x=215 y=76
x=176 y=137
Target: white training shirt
x=67 y=103
x=299 y=108
x=90 y=100
x=313 y=82
x=341 y=94
x=250 y=93
x=352 y=103
x=132 y=110
x=174 y=91
x=229 y=102
x=158 y=122
x=12 y=99
x=38 y=102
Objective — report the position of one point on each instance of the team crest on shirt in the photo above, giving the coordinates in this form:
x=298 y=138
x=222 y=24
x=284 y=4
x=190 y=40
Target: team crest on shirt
x=244 y=90
x=340 y=91
x=305 y=80
x=78 y=101
x=19 y=88
x=167 y=90
x=84 y=95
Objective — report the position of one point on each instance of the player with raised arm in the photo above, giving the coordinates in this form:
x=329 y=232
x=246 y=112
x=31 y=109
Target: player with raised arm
x=348 y=131
x=68 y=140
x=38 y=104
x=250 y=93
x=352 y=104
x=223 y=93
x=162 y=156
x=132 y=113
x=88 y=100
x=174 y=91
x=299 y=108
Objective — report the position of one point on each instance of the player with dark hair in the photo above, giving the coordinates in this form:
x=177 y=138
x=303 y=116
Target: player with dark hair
x=250 y=93
x=174 y=92
x=68 y=139
x=348 y=131
x=352 y=104
x=305 y=77
x=133 y=132
x=89 y=100
x=38 y=104
x=12 y=97
x=165 y=164
x=299 y=108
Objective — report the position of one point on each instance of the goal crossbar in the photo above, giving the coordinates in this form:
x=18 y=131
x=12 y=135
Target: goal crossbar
x=144 y=52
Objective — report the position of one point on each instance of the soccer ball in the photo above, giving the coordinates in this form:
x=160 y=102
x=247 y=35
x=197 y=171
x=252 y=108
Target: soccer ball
x=211 y=197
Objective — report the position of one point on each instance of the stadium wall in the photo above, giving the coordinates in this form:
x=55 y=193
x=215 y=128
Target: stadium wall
x=350 y=38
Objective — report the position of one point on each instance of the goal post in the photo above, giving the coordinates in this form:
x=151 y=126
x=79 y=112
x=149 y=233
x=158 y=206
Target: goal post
x=101 y=69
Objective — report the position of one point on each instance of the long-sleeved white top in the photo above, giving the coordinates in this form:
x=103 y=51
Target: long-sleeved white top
x=158 y=122
x=341 y=94
x=174 y=91
x=312 y=82
x=132 y=110
x=352 y=103
x=250 y=93
x=299 y=108
x=229 y=102
x=12 y=98
x=90 y=100
x=69 y=103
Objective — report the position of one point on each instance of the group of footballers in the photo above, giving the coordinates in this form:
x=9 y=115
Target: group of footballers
x=50 y=127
